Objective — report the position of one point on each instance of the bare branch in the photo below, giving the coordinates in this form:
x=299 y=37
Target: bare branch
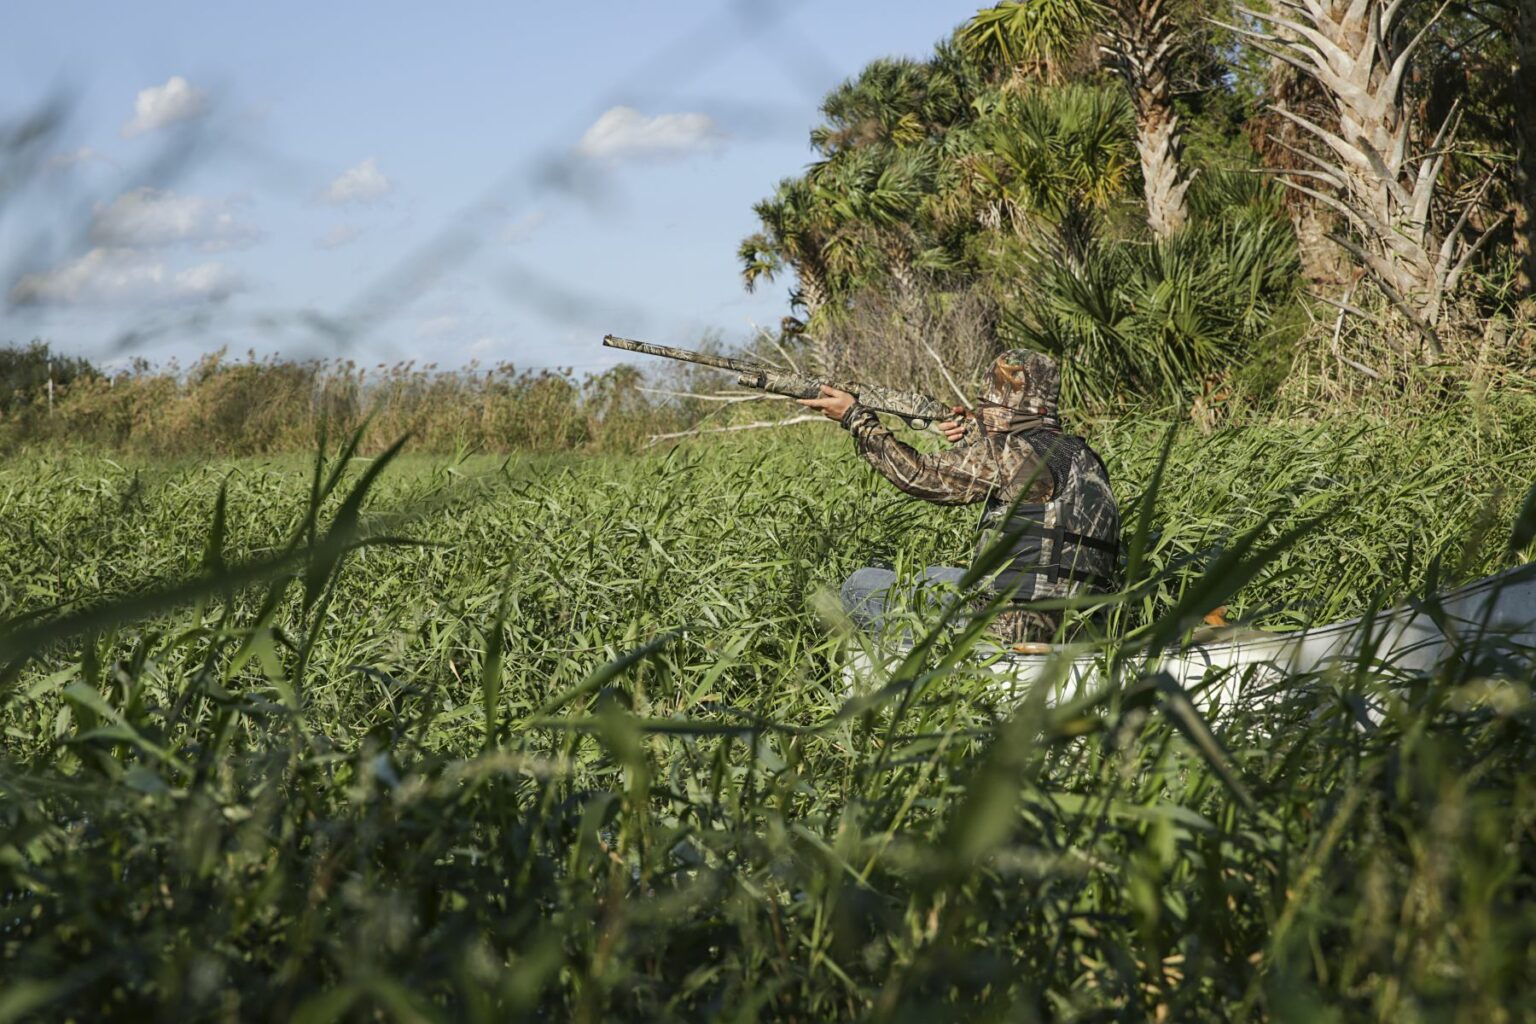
x=1361 y=367
x=694 y=396
x=1344 y=308
x=759 y=425
x=945 y=371
x=774 y=341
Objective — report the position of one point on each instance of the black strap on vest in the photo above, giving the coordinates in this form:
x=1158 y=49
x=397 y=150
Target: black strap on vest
x=1057 y=452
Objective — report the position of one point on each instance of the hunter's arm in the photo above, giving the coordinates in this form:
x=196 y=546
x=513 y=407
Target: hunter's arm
x=955 y=476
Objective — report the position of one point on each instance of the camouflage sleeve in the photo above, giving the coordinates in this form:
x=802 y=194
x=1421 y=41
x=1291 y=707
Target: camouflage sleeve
x=956 y=476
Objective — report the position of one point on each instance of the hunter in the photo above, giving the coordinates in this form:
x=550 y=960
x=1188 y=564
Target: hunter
x=1046 y=488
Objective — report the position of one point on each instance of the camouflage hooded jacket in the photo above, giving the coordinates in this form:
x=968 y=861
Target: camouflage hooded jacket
x=1025 y=466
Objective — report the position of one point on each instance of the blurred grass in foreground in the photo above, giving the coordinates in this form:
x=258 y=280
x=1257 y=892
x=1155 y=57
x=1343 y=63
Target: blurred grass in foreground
x=568 y=736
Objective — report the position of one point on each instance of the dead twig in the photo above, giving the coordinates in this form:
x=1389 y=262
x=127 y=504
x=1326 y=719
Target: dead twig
x=694 y=396
x=1344 y=310
x=787 y=357
x=965 y=402
x=759 y=425
x=1361 y=367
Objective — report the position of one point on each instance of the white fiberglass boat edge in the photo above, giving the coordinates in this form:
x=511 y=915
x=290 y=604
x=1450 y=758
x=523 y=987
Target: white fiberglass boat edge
x=1494 y=613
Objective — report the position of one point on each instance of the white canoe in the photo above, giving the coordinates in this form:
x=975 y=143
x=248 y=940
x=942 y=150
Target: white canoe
x=1496 y=614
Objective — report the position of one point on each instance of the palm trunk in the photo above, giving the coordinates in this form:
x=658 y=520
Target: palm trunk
x=1158 y=144
x=1358 y=53
x=813 y=288
x=898 y=257
x=1524 y=212
x=1140 y=44
x=1283 y=146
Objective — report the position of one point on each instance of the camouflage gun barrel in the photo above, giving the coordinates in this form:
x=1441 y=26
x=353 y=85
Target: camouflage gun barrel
x=916 y=410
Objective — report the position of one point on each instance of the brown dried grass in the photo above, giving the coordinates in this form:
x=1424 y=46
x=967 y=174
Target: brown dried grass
x=265 y=406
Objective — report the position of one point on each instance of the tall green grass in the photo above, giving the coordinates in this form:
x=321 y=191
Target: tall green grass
x=425 y=739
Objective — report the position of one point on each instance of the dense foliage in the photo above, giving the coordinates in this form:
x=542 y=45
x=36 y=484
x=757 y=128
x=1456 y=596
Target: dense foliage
x=29 y=373
x=1149 y=188
x=473 y=740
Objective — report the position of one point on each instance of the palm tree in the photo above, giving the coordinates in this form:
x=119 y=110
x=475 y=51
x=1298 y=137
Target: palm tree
x=1140 y=43
x=792 y=237
x=1138 y=39
x=1284 y=146
x=874 y=198
x=1157 y=320
x=893 y=102
x=1357 y=50
x=1060 y=159
x=1034 y=38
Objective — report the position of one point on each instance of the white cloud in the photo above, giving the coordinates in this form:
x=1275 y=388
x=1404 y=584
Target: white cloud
x=160 y=105
x=124 y=277
x=489 y=346
x=437 y=326
x=523 y=228
x=83 y=155
x=625 y=132
x=149 y=218
x=338 y=236
x=361 y=184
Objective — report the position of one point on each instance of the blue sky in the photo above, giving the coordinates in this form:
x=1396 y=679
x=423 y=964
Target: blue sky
x=456 y=181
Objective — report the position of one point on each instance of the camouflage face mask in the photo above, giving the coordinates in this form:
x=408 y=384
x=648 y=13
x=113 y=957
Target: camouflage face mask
x=1021 y=392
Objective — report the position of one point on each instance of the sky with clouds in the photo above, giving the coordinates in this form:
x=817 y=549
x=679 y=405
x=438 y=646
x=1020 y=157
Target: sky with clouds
x=384 y=181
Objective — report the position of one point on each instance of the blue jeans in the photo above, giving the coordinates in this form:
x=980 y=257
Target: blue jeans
x=868 y=591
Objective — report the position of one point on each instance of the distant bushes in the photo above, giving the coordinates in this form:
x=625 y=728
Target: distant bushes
x=25 y=372
x=263 y=406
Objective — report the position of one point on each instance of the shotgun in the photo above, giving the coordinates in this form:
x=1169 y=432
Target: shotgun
x=917 y=411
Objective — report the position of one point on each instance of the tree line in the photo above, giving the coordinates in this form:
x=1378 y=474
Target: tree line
x=1173 y=194
x=263 y=406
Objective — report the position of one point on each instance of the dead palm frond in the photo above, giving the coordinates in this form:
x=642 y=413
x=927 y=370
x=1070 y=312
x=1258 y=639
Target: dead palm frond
x=1368 y=169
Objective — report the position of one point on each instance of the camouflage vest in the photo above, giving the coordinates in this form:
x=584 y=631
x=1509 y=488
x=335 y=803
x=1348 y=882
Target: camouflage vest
x=1066 y=545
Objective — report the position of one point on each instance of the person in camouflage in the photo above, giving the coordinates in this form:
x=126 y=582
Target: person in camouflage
x=1046 y=495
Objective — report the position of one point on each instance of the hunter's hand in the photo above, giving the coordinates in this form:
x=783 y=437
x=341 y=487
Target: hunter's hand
x=954 y=430
x=833 y=404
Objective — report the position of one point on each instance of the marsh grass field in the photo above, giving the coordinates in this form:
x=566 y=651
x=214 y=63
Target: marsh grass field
x=414 y=737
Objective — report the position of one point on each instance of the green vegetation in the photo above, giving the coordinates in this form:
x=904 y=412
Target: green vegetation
x=1151 y=189
x=262 y=406
x=479 y=739
x=452 y=736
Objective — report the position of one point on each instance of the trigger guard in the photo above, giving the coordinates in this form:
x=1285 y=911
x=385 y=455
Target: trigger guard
x=917 y=424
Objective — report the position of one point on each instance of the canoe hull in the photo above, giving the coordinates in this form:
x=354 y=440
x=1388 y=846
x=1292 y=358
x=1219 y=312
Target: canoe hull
x=1497 y=613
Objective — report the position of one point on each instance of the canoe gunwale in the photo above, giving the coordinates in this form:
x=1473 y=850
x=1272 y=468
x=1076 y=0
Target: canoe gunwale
x=1496 y=613
x=1498 y=586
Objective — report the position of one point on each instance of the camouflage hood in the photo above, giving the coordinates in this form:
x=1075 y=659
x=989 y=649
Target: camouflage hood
x=1021 y=393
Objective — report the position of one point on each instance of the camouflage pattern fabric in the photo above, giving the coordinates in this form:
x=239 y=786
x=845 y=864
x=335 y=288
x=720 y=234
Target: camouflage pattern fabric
x=1067 y=545
x=1000 y=466
x=1023 y=378
x=1004 y=465
x=1003 y=469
